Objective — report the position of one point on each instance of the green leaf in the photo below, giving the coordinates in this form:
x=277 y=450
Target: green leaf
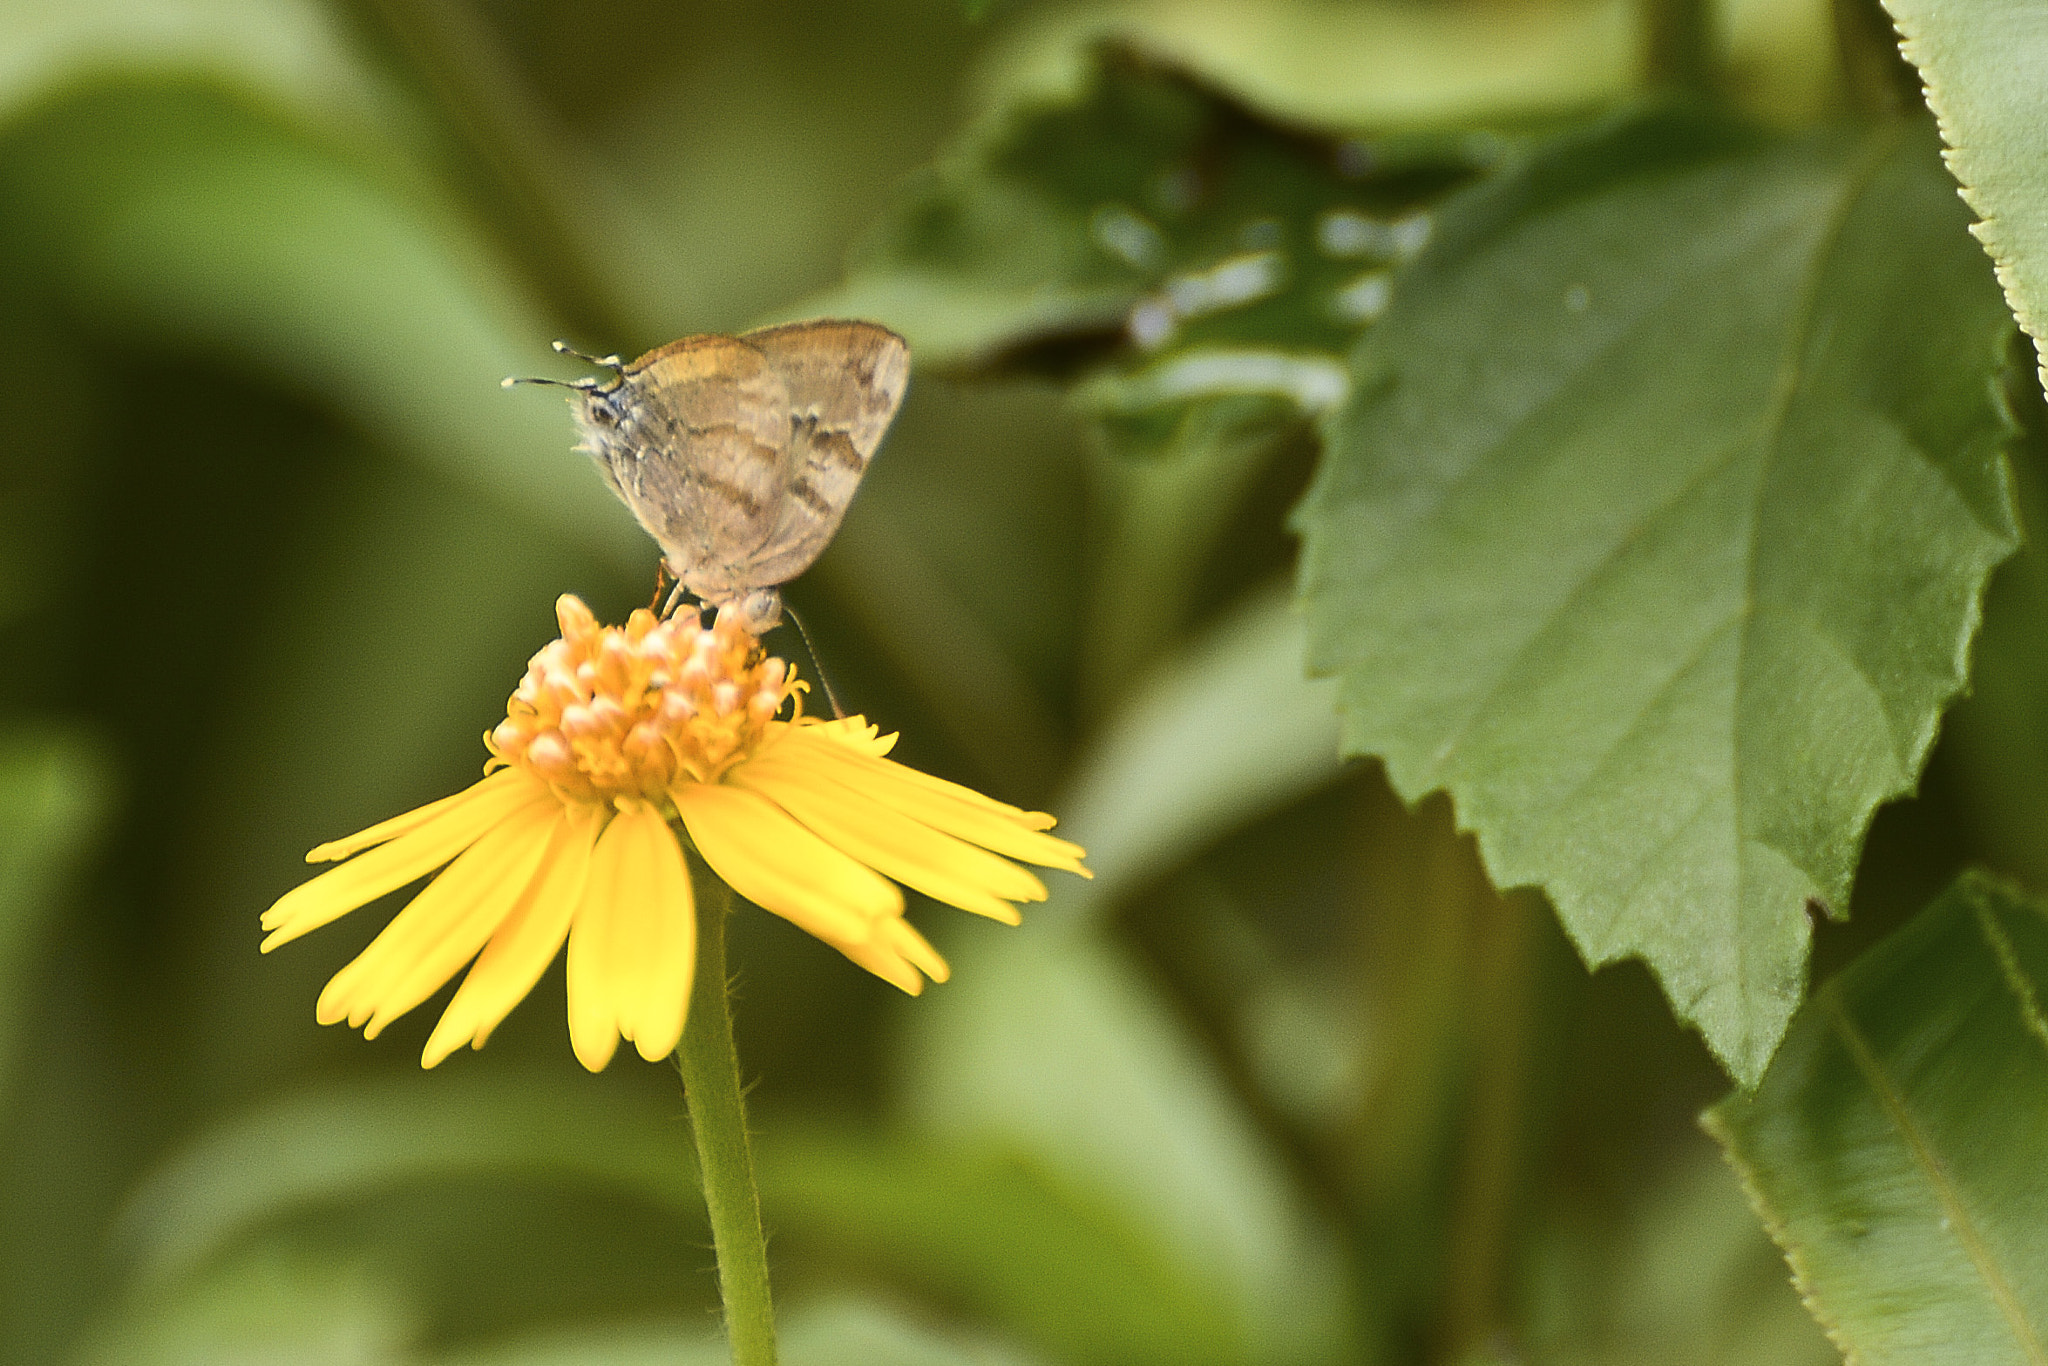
x=353 y=1142
x=1164 y=779
x=272 y=1307
x=1896 y=1146
x=1212 y=249
x=294 y=52
x=1655 y=530
x=837 y=1331
x=1052 y=1045
x=996 y=1232
x=1985 y=63
x=170 y=212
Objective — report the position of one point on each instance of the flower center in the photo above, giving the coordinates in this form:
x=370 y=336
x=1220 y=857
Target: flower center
x=610 y=711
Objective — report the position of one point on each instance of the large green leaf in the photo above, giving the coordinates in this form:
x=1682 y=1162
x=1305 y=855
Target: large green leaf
x=1897 y=1146
x=1986 y=67
x=1655 y=528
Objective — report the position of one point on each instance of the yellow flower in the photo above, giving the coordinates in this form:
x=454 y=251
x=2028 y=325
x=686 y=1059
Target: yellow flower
x=613 y=732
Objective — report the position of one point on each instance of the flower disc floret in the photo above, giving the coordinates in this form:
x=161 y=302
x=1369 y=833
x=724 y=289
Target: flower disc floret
x=607 y=711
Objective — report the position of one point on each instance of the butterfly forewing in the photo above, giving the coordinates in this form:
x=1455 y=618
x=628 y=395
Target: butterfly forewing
x=707 y=449
x=845 y=381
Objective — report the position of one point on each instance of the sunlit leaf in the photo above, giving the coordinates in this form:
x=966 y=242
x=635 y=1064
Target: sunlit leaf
x=1385 y=63
x=1655 y=527
x=1897 y=1144
x=293 y=51
x=1985 y=63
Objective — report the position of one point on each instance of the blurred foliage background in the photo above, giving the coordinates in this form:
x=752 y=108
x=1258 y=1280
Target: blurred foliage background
x=1288 y=1083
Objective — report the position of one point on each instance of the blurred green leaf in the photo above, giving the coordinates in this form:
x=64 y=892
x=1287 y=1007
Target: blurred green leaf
x=344 y=1143
x=53 y=794
x=270 y=1307
x=293 y=52
x=1165 y=777
x=1983 y=62
x=178 y=212
x=1382 y=63
x=840 y=1331
x=1053 y=1045
x=1655 y=527
x=1220 y=251
x=1896 y=1146
x=1686 y=1279
x=1049 y=1043
x=999 y=1234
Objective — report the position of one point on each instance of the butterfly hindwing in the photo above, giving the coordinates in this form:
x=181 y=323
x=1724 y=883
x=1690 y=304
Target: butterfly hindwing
x=845 y=381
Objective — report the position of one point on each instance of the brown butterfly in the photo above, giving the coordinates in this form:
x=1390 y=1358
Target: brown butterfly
x=739 y=455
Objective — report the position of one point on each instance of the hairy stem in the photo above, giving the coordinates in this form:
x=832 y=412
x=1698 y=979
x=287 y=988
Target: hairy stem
x=718 y=1121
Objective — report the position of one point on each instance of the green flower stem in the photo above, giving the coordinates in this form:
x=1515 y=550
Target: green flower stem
x=718 y=1120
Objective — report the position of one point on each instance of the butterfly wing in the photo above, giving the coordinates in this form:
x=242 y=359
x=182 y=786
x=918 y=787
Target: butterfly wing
x=700 y=453
x=845 y=381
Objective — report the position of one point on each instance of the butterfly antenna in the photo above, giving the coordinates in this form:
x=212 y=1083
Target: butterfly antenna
x=838 y=712
x=588 y=386
x=611 y=363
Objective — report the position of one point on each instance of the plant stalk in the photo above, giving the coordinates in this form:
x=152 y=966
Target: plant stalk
x=718 y=1121
x=1680 y=44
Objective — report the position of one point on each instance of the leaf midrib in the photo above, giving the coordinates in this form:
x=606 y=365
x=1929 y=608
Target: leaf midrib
x=1945 y=1193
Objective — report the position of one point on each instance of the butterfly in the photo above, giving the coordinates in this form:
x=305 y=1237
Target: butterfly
x=739 y=455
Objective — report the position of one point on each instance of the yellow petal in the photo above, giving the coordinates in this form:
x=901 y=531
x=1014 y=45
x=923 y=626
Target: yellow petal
x=660 y=943
x=895 y=954
x=946 y=807
x=856 y=733
x=764 y=855
x=524 y=944
x=453 y=826
x=940 y=866
x=428 y=942
x=593 y=992
x=398 y=825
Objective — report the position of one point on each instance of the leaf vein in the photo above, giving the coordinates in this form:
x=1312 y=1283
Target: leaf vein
x=1945 y=1193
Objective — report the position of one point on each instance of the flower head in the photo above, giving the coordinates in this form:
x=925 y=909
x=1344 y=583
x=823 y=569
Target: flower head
x=614 y=733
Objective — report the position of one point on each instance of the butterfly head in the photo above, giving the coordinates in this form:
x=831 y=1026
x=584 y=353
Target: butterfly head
x=759 y=610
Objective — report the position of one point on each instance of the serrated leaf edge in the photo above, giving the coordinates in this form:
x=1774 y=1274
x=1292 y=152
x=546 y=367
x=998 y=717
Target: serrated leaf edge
x=1988 y=229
